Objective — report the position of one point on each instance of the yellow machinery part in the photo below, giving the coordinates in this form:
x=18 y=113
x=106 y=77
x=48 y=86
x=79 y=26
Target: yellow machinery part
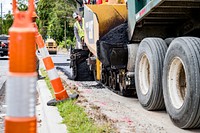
x=105 y=18
x=109 y=16
x=98 y=69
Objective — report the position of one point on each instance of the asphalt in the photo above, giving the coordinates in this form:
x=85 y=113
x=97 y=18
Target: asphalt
x=3 y=71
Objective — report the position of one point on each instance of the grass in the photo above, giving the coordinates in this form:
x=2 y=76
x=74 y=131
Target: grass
x=44 y=73
x=77 y=120
x=75 y=117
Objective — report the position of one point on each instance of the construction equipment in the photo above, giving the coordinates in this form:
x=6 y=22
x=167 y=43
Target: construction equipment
x=51 y=46
x=150 y=54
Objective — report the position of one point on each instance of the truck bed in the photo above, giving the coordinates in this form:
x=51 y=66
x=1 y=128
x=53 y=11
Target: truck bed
x=172 y=17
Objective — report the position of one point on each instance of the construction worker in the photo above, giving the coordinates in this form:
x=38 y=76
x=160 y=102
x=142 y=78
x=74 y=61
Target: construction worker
x=34 y=17
x=79 y=30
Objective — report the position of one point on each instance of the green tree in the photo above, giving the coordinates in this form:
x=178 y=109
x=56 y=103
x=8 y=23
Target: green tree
x=44 y=8
x=8 y=18
x=22 y=5
x=7 y=22
x=53 y=15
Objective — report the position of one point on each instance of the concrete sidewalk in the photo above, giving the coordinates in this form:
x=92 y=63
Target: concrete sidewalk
x=48 y=117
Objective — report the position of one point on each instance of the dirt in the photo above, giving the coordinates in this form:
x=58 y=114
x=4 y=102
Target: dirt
x=93 y=111
x=93 y=106
x=123 y=114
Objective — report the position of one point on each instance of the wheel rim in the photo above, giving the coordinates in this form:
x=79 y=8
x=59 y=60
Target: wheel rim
x=177 y=83
x=144 y=75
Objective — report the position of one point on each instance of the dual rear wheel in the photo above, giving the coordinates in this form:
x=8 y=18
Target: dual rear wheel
x=148 y=73
x=170 y=77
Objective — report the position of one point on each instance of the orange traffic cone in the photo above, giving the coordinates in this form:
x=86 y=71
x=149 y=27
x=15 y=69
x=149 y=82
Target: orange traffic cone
x=59 y=91
x=22 y=76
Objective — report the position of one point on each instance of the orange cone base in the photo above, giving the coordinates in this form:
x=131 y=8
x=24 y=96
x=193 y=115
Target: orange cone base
x=20 y=124
x=54 y=102
x=61 y=95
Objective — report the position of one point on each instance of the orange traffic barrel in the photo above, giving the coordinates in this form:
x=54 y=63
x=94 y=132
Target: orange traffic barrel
x=59 y=91
x=22 y=76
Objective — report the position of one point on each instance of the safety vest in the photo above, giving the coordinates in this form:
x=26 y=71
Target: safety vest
x=80 y=29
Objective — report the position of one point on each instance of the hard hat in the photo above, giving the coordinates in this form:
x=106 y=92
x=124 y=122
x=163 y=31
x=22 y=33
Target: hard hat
x=75 y=15
x=34 y=15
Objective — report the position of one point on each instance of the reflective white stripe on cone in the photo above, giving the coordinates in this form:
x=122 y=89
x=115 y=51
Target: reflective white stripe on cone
x=52 y=73
x=44 y=52
x=21 y=91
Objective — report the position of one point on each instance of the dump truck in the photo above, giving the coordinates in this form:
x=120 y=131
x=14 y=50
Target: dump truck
x=152 y=48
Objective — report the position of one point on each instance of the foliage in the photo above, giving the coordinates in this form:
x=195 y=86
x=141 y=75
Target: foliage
x=22 y=5
x=53 y=15
x=44 y=8
x=8 y=18
x=47 y=80
x=75 y=117
x=7 y=22
x=68 y=43
x=77 y=120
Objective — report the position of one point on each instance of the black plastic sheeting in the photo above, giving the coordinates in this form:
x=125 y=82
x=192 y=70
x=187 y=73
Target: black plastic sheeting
x=112 y=47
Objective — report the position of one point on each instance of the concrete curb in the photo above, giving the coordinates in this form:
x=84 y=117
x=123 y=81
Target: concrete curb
x=48 y=117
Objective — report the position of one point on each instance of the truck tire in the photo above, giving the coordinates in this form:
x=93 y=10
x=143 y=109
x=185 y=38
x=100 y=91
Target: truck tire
x=169 y=40
x=181 y=82
x=148 y=73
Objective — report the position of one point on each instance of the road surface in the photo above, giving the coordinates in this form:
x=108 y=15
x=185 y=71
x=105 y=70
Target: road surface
x=3 y=76
x=125 y=114
x=3 y=69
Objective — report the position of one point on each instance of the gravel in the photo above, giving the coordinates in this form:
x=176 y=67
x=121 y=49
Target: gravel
x=124 y=114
